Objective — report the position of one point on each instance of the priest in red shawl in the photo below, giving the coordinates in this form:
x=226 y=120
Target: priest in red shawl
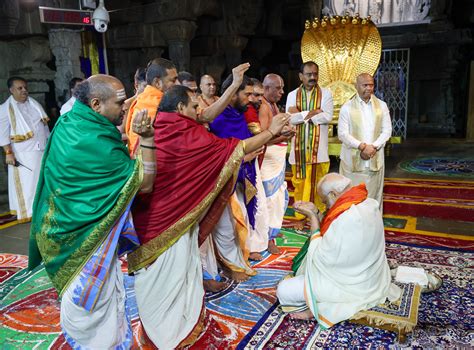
x=345 y=268
x=196 y=175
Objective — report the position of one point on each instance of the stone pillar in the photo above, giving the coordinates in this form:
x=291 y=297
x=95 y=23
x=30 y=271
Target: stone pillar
x=178 y=35
x=233 y=49
x=9 y=17
x=66 y=47
x=32 y=55
x=470 y=108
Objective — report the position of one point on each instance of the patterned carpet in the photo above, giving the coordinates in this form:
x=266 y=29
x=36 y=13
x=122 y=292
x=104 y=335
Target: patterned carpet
x=446 y=317
x=29 y=311
x=441 y=166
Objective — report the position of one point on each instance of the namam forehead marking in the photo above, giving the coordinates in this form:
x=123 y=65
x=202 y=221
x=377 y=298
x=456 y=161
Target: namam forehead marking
x=121 y=94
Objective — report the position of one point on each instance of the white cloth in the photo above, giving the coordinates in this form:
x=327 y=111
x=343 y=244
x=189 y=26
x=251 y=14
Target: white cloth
x=228 y=246
x=21 y=181
x=346 y=270
x=273 y=176
x=372 y=179
x=344 y=129
x=208 y=260
x=170 y=292
x=67 y=106
x=322 y=119
x=107 y=326
x=257 y=240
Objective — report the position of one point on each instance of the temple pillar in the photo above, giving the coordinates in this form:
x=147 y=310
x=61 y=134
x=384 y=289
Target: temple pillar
x=233 y=46
x=66 y=47
x=470 y=107
x=178 y=35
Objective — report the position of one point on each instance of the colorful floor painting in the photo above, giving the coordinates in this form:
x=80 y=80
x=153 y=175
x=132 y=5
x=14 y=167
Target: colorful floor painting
x=246 y=315
x=441 y=166
x=29 y=310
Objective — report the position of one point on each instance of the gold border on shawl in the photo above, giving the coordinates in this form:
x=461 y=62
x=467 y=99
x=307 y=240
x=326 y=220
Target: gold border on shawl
x=150 y=251
x=19 y=194
x=21 y=138
x=71 y=269
x=192 y=337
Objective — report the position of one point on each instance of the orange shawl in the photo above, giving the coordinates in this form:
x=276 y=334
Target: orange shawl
x=355 y=195
x=149 y=99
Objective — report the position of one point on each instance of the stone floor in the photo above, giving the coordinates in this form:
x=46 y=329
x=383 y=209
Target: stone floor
x=15 y=239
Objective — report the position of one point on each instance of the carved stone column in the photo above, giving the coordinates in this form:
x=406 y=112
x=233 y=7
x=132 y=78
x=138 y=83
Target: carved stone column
x=66 y=47
x=233 y=49
x=31 y=56
x=178 y=35
x=9 y=16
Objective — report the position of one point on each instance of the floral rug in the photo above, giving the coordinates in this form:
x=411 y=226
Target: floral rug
x=441 y=166
x=446 y=317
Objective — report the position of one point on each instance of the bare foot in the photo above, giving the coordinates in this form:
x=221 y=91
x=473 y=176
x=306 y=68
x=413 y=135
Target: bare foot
x=237 y=276
x=214 y=286
x=272 y=248
x=255 y=256
x=299 y=225
x=303 y=315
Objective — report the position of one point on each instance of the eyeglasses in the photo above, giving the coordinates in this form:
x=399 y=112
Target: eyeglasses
x=312 y=74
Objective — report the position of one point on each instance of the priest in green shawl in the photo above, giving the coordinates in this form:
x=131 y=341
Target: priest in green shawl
x=81 y=213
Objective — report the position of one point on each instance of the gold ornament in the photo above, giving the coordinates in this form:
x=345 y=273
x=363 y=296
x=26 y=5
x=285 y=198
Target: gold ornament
x=342 y=52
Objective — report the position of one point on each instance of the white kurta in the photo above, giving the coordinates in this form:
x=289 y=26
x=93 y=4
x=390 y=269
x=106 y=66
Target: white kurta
x=67 y=106
x=372 y=179
x=322 y=119
x=170 y=293
x=22 y=181
x=346 y=270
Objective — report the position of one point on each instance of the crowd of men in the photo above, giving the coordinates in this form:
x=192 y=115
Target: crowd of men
x=190 y=187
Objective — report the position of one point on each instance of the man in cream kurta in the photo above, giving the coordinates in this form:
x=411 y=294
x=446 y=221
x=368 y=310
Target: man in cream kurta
x=320 y=112
x=345 y=269
x=364 y=128
x=23 y=136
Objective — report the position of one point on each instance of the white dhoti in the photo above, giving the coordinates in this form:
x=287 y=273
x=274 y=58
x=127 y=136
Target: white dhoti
x=230 y=235
x=345 y=271
x=170 y=293
x=257 y=240
x=207 y=252
x=22 y=182
x=373 y=181
x=107 y=326
x=273 y=177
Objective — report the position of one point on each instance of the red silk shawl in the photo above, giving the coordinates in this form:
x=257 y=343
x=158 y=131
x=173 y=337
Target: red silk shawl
x=193 y=168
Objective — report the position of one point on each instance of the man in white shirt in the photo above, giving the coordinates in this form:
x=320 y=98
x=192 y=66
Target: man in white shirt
x=23 y=135
x=66 y=107
x=309 y=157
x=364 y=128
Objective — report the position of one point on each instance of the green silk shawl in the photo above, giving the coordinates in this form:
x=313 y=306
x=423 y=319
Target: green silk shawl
x=87 y=180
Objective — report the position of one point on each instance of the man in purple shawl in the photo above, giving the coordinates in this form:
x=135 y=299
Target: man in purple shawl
x=231 y=232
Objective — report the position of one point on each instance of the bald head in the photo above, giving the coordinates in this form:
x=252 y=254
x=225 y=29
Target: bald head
x=98 y=86
x=273 y=87
x=105 y=94
x=365 y=86
x=208 y=86
x=332 y=186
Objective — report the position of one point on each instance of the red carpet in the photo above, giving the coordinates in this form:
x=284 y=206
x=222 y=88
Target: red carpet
x=451 y=200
